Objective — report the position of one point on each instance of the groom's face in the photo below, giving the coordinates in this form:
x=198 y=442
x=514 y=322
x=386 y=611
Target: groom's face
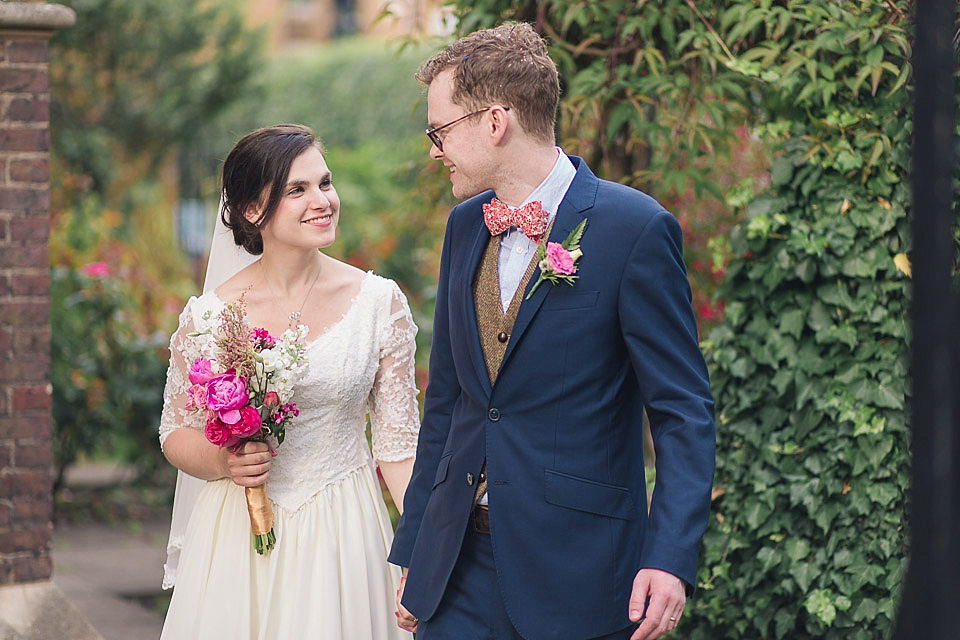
x=464 y=151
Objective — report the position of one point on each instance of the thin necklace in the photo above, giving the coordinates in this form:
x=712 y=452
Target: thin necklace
x=294 y=315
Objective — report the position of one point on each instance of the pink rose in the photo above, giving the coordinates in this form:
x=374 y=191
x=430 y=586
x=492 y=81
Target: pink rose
x=219 y=433
x=96 y=270
x=249 y=423
x=197 y=397
x=226 y=393
x=271 y=400
x=560 y=259
x=201 y=371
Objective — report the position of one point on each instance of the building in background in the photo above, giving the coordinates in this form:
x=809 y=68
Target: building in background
x=292 y=23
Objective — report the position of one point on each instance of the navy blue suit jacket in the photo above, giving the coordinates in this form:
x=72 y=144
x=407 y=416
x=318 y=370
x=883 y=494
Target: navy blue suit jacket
x=561 y=430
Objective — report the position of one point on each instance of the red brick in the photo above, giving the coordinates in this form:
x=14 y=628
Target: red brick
x=3 y=170
x=30 y=169
x=24 y=80
x=33 y=109
x=36 y=200
x=24 y=314
x=29 y=229
x=31 y=398
x=24 y=139
x=6 y=513
x=35 y=539
x=30 y=341
x=30 y=483
x=32 y=255
x=27 y=51
x=20 y=427
x=33 y=569
x=25 y=369
x=5 y=340
x=4 y=406
x=25 y=284
x=37 y=511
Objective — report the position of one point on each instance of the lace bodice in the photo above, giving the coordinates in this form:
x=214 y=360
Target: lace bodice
x=362 y=365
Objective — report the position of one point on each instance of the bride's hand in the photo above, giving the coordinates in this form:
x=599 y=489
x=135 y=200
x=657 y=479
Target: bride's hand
x=250 y=465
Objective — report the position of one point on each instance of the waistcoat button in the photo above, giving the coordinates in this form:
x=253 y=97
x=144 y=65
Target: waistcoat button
x=502 y=336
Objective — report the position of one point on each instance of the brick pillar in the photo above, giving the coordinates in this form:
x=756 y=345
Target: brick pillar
x=25 y=393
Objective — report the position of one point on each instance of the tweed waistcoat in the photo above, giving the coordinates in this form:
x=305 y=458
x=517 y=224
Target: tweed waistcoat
x=493 y=324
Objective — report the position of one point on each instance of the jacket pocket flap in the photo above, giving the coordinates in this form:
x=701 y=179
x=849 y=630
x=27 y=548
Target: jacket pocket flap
x=588 y=495
x=442 y=469
x=571 y=300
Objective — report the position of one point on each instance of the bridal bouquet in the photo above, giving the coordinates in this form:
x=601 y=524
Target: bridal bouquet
x=244 y=390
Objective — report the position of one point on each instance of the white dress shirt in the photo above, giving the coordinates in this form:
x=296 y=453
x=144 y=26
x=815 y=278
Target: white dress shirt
x=516 y=249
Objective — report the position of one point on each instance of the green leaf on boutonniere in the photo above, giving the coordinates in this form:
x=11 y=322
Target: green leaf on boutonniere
x=558 y=261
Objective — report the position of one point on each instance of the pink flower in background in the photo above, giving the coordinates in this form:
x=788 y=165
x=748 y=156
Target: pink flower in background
x=226 y=393
x=96 y=270
x=219 y=433
x=249 y=423
x=201 y=371
x=561 y=261
x=197 y=397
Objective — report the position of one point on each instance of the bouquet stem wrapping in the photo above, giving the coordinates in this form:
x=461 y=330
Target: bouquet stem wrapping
x=261 y=518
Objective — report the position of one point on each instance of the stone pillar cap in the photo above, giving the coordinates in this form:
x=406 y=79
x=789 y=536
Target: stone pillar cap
x=35 y=15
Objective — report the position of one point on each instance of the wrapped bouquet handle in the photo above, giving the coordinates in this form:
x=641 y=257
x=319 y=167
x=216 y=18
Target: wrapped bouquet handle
x=261 y=518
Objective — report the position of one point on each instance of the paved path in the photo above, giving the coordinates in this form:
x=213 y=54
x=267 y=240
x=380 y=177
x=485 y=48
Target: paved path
x=102 y=568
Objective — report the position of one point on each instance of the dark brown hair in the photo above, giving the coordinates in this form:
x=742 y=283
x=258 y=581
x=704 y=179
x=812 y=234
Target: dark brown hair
x=261 y=159
x=508 y=65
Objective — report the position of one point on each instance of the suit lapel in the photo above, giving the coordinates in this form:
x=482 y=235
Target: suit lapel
x=469 y=311
x=579 y=197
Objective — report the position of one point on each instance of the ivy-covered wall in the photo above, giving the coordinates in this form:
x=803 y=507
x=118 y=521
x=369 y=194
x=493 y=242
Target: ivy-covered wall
x=808 y=534
x=808 y=537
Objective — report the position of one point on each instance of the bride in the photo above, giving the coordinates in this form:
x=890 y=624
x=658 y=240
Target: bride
x=327 y=577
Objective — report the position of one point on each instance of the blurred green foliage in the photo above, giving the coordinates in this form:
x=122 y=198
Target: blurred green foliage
x=104 y=372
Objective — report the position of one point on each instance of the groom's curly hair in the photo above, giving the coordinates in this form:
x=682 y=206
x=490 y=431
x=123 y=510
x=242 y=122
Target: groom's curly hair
x=260 y=160
x=508 y=65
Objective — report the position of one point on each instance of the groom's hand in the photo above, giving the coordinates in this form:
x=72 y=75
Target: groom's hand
x=667 y=597
x=405 y=619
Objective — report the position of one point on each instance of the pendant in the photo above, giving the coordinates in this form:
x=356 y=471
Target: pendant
x=295 y=316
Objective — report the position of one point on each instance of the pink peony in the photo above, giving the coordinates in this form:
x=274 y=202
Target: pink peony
x=96 y=270
x=560 y=259
x=201 y=371
x=226 y=394
x=197 y=397
x=219 y=433
x=249 y=423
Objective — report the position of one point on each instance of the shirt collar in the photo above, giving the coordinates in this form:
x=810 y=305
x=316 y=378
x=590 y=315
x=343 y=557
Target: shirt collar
x=550 y=192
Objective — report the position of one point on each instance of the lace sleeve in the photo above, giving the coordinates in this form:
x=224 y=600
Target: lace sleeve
x=183 y=351
x=394 y=412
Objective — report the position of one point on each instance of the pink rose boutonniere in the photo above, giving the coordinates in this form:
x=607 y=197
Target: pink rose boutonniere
x=558 y=261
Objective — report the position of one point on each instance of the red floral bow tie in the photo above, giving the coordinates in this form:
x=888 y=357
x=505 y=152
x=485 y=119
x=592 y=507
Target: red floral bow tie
x=531 y=219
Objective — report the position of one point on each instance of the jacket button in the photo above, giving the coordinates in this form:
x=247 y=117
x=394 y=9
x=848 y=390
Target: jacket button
x=470 y=479
x=494 y=414
x=502 y=336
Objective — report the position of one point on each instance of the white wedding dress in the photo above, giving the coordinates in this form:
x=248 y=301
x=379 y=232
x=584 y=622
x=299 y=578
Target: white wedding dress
x=327 y=577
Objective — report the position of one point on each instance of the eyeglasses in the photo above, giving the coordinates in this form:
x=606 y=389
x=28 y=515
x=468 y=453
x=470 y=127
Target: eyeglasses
x=438 y=141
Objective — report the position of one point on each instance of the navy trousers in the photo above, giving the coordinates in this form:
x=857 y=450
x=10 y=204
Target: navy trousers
x=472 y=607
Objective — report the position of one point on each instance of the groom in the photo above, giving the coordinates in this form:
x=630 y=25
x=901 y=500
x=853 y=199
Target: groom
x=527 y=513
